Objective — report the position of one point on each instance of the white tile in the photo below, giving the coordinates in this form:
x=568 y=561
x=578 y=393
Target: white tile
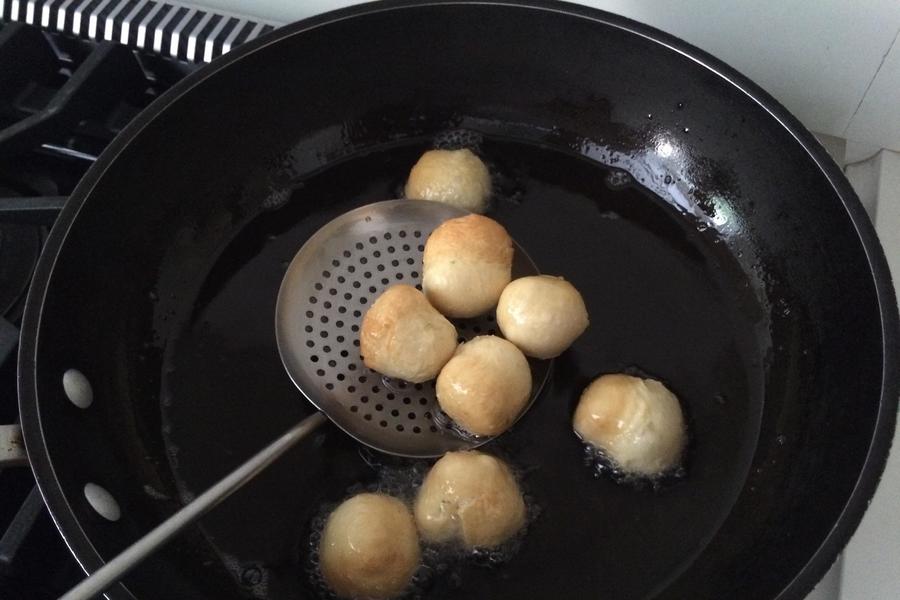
x=870 y=559
x=855 y=152
x=887 y=222
x=829 y=588
x=878 y=118
x=863 y=176
x=815 y=58
x=835 y=146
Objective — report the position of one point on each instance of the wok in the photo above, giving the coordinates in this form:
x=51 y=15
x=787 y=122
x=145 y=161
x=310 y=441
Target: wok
x=717 y=247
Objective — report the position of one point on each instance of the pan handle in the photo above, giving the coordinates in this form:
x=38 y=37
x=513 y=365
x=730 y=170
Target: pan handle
x=12 y=447
x=115 y=569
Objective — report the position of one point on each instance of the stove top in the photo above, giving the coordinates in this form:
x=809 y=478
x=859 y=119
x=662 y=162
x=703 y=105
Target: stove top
x=62 y=99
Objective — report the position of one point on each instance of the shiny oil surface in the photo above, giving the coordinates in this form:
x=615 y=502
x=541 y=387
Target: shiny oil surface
x=661 y=297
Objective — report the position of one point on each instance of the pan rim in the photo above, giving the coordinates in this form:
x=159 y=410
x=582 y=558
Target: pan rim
x=876 y=457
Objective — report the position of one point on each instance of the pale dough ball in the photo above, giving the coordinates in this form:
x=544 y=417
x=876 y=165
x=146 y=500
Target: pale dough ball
x=636 y=422
x=403 y=336
x=466 y=265
x=542 y=315
x=485 y=386
x=369 y=547
x=472 y=498
x=455 y=177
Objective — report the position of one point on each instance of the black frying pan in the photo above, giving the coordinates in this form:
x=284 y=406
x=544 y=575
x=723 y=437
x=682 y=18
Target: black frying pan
x=734 y=262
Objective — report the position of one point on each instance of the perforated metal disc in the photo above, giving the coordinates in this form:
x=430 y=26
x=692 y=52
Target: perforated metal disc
x=328 y=287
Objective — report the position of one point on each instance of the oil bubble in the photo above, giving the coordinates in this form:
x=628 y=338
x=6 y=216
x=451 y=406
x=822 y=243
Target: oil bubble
x=455 y=139
x=618 y=178
x=442 y=564
x=603 y=466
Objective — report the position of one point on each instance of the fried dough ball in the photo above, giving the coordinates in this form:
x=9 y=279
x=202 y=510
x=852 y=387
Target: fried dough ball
x=369 y=547
x=485 y=386
x=542 y=315
x=636 y=422
x=403 y=336
x=455 y=177
x=472 y=498
x=466 y=265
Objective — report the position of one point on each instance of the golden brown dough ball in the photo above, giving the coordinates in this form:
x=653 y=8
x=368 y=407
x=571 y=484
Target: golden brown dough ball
x=455 y=177
x=403 y=336
x=467 y=263
x=485 y=386
x=636 y=422
x=542 y=315
x=369 y=548
x=472 y=498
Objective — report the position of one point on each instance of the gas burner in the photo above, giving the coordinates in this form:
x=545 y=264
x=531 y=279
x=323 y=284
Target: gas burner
x=20 y=246
x=62 y=100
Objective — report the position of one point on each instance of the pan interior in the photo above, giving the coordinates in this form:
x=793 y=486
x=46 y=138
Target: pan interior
x=665 y=297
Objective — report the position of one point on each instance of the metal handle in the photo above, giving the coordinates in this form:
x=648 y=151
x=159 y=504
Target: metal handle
x=12 y=447
x=115 y=569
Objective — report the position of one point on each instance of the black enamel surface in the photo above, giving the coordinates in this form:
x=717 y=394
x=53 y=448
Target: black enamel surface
x=735 y=264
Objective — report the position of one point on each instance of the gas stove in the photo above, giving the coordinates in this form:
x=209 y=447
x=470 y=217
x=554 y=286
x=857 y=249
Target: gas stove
x=63 y=98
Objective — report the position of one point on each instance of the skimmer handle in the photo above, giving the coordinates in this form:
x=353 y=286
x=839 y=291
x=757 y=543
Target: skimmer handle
x=132 y=556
